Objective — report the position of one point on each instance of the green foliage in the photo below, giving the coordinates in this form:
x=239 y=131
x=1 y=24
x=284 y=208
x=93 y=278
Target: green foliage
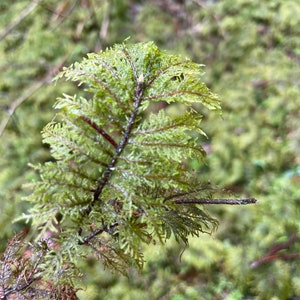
x=118 y=170
x=251 y=49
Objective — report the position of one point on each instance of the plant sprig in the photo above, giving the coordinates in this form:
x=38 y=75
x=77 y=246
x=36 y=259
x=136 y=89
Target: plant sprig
x=121 y=170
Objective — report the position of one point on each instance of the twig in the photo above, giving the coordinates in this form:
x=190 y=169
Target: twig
x=283 y=245
x=28 y=93
x=265 y=259
x=22 y=15
x=272 y=254
x=217 y=201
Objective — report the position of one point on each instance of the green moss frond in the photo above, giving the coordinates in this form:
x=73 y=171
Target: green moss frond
x=119 y=168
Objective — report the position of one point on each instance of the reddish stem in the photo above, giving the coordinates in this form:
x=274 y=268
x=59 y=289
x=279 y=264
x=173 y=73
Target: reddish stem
x=100 y=131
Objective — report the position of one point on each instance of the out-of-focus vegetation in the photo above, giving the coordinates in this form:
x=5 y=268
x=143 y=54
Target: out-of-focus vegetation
x=251 y=50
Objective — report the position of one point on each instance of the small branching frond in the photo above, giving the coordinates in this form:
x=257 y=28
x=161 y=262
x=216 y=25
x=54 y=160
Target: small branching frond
x=121 y=170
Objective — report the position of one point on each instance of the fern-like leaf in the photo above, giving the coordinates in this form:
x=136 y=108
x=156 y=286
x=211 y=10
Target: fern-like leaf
x=117 y=164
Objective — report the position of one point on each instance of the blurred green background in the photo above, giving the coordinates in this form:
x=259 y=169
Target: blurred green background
x=251 y=49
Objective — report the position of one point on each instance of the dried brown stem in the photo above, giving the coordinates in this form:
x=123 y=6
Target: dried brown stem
x=268 y=258
x=272 y=253
x=217 y=201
